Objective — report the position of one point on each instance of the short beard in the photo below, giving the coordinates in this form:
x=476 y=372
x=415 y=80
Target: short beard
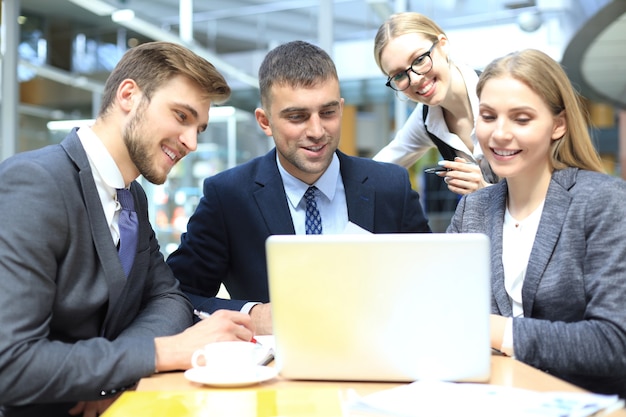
x=138 y=148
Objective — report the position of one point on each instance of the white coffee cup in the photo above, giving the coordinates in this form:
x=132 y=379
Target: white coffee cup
x=227 y=355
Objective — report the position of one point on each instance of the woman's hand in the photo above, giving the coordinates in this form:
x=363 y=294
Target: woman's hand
x=462 y=177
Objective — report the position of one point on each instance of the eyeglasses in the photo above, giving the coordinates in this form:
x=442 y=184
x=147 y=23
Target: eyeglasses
x=422 y=65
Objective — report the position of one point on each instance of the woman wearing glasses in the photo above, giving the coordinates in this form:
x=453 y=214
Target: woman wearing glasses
x=413 y=51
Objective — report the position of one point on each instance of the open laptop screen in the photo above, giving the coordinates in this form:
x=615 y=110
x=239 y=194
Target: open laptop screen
x=381 y=307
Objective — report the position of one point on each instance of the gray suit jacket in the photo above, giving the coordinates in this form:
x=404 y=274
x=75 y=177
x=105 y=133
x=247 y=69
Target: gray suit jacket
x=574 y=323
x=73 y=326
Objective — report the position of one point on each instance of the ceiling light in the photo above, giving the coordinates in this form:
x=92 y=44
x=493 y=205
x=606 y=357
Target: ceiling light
x=122 y=15
x=128 y=19
x=529 y=21
x=68 y=124
x=95 y=6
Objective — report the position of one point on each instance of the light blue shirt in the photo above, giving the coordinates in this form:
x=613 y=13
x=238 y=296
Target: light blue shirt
x=331 y=199
x=331 y=203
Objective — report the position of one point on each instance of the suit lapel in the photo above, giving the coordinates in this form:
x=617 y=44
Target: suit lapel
x=360 y=201
x=101 y=236
x=360 y=197
x=271 y=198
x=496 y=204
x=552 y=218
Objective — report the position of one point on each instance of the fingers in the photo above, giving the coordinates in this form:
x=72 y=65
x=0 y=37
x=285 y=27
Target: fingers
x=175 y=352
x=228 y=325
x=77 y=409
x=462 y=190
x=461 y=165
x=91 y=408
x=463 y=184
x=236 y=317
x=463 y=177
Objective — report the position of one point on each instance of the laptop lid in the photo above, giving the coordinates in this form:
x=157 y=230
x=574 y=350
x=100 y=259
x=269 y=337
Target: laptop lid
x=381 y=307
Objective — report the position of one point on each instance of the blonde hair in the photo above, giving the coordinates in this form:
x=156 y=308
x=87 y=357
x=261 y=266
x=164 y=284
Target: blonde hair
x=400 y=24
x=549 y=81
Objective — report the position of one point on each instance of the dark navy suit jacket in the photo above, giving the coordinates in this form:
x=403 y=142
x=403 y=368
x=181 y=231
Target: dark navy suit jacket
x=241 y=207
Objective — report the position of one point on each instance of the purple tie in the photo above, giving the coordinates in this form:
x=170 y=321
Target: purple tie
x=128 y=229
x=313 y=224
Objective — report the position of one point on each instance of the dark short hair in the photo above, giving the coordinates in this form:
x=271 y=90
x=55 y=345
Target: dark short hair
x=153 y=64
x=295 y=64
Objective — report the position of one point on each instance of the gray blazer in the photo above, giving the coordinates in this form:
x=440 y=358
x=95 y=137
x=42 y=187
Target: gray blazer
x=73 y=326
x=574 y=293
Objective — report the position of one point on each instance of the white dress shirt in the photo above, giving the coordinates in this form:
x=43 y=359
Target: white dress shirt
x=517 y=243
x=106 y=175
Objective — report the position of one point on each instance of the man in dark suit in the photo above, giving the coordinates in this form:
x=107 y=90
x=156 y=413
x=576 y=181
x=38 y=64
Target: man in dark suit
x=241 y=207
x=77 y=329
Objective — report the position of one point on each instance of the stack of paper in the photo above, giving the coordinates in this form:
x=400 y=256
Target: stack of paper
x=444 y=399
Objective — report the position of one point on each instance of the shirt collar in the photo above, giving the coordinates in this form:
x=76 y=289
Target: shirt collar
x=100 y=158
x=295 y=189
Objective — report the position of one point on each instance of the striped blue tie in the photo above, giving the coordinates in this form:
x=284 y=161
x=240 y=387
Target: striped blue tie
x=313 y=222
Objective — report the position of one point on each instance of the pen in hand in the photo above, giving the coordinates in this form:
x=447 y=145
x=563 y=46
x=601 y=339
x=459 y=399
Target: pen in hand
x=438 y=169
x=435 y=170
x=204 y=315
x=201 y=314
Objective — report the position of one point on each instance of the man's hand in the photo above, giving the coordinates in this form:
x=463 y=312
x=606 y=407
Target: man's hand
x=174 y=352
x=92 y=408
x=262 y=318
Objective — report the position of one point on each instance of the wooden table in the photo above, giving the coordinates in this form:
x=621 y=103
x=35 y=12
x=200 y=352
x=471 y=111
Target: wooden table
x=504 y=372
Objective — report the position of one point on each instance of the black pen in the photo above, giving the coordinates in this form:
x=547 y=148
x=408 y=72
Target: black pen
x=436 y=170
x=204 y=315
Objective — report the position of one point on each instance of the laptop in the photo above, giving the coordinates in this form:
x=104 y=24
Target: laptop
x=381 y=307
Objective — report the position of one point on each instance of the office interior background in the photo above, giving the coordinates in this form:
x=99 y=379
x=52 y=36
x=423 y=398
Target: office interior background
x=56 y=55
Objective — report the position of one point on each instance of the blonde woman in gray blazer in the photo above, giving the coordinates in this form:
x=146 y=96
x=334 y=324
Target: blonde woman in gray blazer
x=557 y=227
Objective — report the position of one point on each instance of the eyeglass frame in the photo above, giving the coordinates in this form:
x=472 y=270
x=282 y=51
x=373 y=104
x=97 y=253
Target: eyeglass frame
x=410 y=68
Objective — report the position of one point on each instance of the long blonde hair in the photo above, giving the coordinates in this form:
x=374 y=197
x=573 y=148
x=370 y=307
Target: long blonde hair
x=548 y=80
x=400 y=24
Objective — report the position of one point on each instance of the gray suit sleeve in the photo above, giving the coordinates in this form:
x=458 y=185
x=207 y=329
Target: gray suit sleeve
x=586 y=277
x=54 y=294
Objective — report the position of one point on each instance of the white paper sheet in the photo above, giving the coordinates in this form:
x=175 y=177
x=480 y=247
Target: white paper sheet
x=444 y=399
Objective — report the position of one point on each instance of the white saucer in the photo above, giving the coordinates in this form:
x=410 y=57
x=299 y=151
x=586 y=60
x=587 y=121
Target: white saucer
x=230 y=377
